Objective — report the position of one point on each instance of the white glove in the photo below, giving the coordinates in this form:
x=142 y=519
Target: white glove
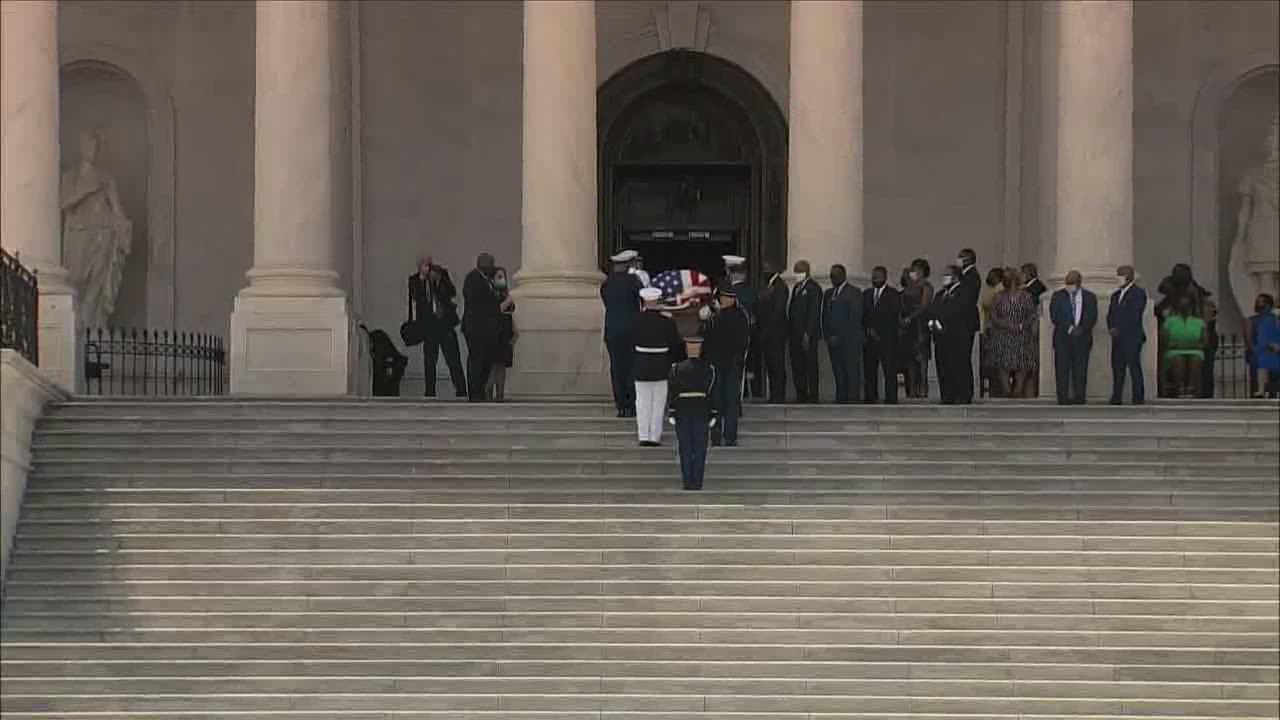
x=704 y=312
x=671 y=420
x=713 y=422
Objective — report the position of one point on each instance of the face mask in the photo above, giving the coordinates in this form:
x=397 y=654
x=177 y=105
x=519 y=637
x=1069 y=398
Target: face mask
x=801 y=277
x=500 y=283
x=947 y=280
x=913 y=275
x=960 y=262
x=1121 y=281
x=1072 y=289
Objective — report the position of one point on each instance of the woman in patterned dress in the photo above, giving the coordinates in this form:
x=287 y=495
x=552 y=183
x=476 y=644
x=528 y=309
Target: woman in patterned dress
x=1014 y=330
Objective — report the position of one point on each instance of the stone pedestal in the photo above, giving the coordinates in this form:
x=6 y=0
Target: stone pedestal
x=824 y=175
x=30 y=210
x=291 y=330
x=559 y=315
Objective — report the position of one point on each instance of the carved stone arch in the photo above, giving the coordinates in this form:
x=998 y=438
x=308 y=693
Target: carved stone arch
x=684 y=106
x=155 y=89
x=1207 y=252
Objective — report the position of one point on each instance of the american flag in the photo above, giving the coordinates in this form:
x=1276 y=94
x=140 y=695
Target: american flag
x=681 y=286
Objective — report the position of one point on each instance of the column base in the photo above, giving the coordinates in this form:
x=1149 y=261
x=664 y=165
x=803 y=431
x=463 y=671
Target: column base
x=1100 y=379
x=291 y=345
x=560 y=350
x=61 y=349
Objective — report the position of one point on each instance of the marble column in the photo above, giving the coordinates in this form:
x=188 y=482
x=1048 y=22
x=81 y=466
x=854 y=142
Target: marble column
x=559 y=312
x=824 y=176
x=291 y=329
x=30 y=210
x=1094 y=149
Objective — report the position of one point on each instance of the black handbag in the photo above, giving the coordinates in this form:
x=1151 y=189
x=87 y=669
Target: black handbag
x=410 y=333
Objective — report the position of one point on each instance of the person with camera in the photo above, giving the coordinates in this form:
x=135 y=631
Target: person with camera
x=433 y=315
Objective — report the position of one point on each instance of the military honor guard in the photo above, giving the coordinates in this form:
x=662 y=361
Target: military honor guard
x=657 y=346
x=689 y=390
x=620 y=293
x=748 y=298
x=727 y=333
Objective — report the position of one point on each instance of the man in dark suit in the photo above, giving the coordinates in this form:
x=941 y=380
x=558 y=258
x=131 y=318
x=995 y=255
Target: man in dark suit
x=480 y=324
x=949 y=323
x=1124 y=321
x=881 y=307
x=432 y=309
x=842 y=315
x=620 y=293
x=771 y=321
x=804 y=318
x=1073 y=312
x=969 y=282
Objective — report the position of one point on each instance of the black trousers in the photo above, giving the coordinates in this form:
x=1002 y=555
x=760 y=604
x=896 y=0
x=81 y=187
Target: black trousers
x=1126 y=357
x=846 y=369
x=1071 y=369
x=804 y=369
x=774 y=354
x=622 y=353
x=880 y=359
x=432 y=344
x=755 y=368
x=954 y=355
x=482 y=353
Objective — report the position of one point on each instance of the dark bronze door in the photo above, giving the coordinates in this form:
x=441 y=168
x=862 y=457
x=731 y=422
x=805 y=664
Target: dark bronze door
x=683 y=216
x=692 y=164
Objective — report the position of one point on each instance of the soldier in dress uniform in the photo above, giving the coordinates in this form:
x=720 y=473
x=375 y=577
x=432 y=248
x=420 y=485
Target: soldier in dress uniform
x=657 y=346
x=637 y=268
x=727 y=333
x=689 y=389
x=748 y=297
x=620 y=293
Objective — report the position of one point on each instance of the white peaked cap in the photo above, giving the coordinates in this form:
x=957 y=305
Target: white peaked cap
x=625 y=256
x=733 y=260
x=650 y=293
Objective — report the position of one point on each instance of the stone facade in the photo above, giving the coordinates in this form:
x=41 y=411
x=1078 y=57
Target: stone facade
x=425 y=103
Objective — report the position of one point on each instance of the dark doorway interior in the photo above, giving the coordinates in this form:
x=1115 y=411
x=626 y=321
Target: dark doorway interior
x=692 y=164
x=683 y=215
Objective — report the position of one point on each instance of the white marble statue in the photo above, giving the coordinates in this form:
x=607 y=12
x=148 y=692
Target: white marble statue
x=96 y=234
x=1254 y=266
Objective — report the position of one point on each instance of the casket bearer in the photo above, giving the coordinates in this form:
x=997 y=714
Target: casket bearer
x=727 y=333
x=657 y=346
x=689 y=390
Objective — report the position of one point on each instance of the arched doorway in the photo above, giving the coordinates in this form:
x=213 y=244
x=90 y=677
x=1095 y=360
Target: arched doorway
x=693 y=163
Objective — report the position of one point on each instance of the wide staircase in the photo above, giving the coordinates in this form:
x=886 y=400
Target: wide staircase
x=395 y=560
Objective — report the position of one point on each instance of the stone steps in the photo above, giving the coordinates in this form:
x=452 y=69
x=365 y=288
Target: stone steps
x=405 y=559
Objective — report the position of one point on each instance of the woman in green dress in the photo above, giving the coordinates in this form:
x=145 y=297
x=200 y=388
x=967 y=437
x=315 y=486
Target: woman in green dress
x=1184 y=342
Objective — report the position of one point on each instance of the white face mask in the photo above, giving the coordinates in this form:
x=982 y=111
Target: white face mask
x=913 y=275
x=801 y=277
x=960 y=262
x=947 y=280
x=1072 y=288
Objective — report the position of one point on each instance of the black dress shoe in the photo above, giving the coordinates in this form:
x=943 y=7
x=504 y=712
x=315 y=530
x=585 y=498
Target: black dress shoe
x=1115 y=401
x=620 y=414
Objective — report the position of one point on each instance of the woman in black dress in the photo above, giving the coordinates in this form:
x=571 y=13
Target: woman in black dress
x=497 y=386
x=915 y=343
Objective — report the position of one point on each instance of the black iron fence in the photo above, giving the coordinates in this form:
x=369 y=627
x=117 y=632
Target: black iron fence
x=19 y=308
x=153 y=363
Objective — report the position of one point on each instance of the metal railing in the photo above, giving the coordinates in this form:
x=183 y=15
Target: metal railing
x=19 y=308
x=153 y=363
